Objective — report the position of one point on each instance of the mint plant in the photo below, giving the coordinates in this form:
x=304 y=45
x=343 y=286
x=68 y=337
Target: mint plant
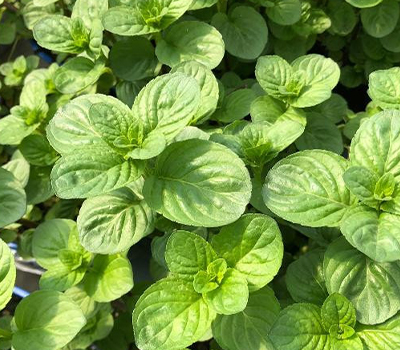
x=199 y=174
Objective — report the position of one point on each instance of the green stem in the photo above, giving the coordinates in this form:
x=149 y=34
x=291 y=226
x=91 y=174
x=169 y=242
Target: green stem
x=257 y=172
x=13 y=48
x=222 y=5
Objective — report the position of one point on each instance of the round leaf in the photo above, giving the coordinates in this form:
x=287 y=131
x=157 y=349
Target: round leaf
x=199 y=183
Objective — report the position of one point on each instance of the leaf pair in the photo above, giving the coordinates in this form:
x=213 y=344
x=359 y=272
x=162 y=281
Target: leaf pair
x=308 y=81
x=27 y=116
x=306 y=326
x=56 y=247
x=207 y=279
x=102 y=141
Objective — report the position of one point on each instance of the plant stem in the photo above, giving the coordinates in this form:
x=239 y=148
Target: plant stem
x=222 y=5
x=13 y=49
x=10 y=7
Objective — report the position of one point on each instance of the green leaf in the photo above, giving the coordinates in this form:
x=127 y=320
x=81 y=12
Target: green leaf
x=182 y=319
x=89 y=10
x=306 y=83
x=7 y=33
x=248 y=329
x=361 y=182
x=191 y=41
x=253 y=246
x=273 y=72
x=343 y=17
x=13 y=129
x=144 y=17
x=384 y=88
x=307 y=188
x=19 y=167
x=85 y=302
x=167 y=104
x=321 y=76
x=299 y=327
x=262 y=142
x=112 y=223
x=12 y=198
x=40 y=321
x=113 y=121
x=305 y=279
x=382 y=134
x=384 y=336
x=187 y=253
x=37 y=150
x=373 y=288
x=235 y=106
x=285 y=12
x=109 y=278
x=334 y=109
x=77 y=74
x=217 y=179
x=55 y=32
x=93 y=172
x=7 y=273
x=39 y=187
x=199 y=4
x=320 y=133
x=244 y=31
x=71 y=130
x=364 y=3
x=209 y=91
x=60 y=278
x=231 y=296
x=133 y=59
x=375 y=234
x=380 y=20
x=338 y=310
x=270 y=110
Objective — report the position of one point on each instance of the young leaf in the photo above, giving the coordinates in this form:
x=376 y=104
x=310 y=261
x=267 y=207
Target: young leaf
x=248 y=329
x=204 y=184
x=361 y=280
x=244 y=31
x=144 y=17
x=231 y=296
x=191 y=41
x=307 y=188
x=338 y=310
x=187 y=253
x=253 y=246
x=112 y=223
x=40 y=321
x=167 y=104
x=12 y=198
x=181 y=320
